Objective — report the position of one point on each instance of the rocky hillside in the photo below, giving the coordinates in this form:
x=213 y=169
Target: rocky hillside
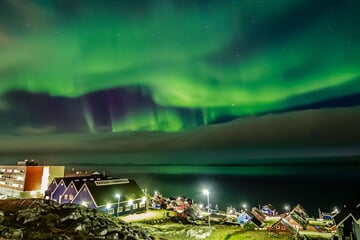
x=35 y=219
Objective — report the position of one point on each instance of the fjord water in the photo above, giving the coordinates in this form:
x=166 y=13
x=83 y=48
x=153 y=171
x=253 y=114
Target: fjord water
x=234 y=178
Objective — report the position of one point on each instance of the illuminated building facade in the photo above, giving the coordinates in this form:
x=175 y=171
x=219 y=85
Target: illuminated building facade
x=27 y=179
x=115 y=196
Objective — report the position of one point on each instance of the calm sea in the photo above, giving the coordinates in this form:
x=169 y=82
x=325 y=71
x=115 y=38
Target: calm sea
x=320 y=182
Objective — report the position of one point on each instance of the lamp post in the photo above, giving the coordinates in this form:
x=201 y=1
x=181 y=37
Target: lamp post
x=131 y=202
x=244 y=207
x=108 y=206
x=287 y=208
x=207 y=193
x=118 y=204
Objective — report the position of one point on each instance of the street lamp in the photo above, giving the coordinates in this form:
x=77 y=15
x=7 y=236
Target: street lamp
x=118 y=203
x=287 y=208
x=131 y=202
x=108 y=206
x=207 y=193
x=244 y=206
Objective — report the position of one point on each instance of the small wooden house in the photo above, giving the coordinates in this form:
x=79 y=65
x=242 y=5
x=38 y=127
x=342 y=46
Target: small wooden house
x=348 y=220
x=268 y=210
x=283 y=227
x=259 y=215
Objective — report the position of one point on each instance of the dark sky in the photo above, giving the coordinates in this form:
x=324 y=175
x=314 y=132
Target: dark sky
x=102 y=68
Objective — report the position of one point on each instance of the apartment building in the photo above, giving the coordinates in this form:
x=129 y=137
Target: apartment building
x=27 y=179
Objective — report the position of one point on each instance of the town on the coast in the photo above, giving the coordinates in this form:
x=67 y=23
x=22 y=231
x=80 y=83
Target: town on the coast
x=124 y=198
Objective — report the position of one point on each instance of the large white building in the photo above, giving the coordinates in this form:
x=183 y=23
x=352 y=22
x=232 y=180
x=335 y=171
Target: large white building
x=27 y=179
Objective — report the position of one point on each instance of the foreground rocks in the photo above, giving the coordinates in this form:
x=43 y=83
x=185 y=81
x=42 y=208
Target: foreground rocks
x=35 y=219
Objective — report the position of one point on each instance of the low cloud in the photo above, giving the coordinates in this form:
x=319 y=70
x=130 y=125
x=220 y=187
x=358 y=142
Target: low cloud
x=30 y=130
x=312 y=129
x=3 y=105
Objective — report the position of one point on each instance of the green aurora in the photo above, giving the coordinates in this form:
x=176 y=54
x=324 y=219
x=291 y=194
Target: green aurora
x=216 y=58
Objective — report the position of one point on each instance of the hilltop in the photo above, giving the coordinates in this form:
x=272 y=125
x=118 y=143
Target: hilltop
x=36 y=219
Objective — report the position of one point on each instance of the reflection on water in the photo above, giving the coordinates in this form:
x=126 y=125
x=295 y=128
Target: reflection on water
x=312 y=186
x=233 y=179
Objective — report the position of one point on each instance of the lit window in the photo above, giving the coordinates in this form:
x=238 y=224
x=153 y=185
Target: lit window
x=111 y=211
x=65 y=197
x=71 y=197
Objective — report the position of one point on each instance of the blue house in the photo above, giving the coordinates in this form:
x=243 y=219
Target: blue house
x=112 y=195
x=58 y=186
x=58 y=191
x=115 y=196
x=269 y=210
x=244 y=217
x=248 y=219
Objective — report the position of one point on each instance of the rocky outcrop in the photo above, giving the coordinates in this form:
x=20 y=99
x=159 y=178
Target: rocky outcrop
x=40 y=220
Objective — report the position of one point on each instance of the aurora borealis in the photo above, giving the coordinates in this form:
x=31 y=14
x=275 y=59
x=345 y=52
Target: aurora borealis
x=113 y=66
x=256 y=99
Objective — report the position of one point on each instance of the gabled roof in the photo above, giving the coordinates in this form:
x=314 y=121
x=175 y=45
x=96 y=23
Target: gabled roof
x=256 y=221
x=289 y=226
x=105 y=193
x=269 y=206
x=352 y=209
x=256 y=210
x=299 y=219
x=57 y=180
x=301 y=211
x=81 y=179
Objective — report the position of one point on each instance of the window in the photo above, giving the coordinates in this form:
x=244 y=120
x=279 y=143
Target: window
x=111 y=211
x=120 y=209
x=277 y=227
x=135 y=205
x=71 y=197
x=283 y=228
x=127 y=208
x=65 y=197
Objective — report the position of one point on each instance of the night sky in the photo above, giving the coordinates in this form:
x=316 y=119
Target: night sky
x=178 y=74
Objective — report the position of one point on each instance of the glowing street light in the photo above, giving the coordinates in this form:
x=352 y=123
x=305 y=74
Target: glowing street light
x=287 y=208
x=131 y=202
x=244 y=206
x=118 y=203
x=207 y=193
x=108 y=206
